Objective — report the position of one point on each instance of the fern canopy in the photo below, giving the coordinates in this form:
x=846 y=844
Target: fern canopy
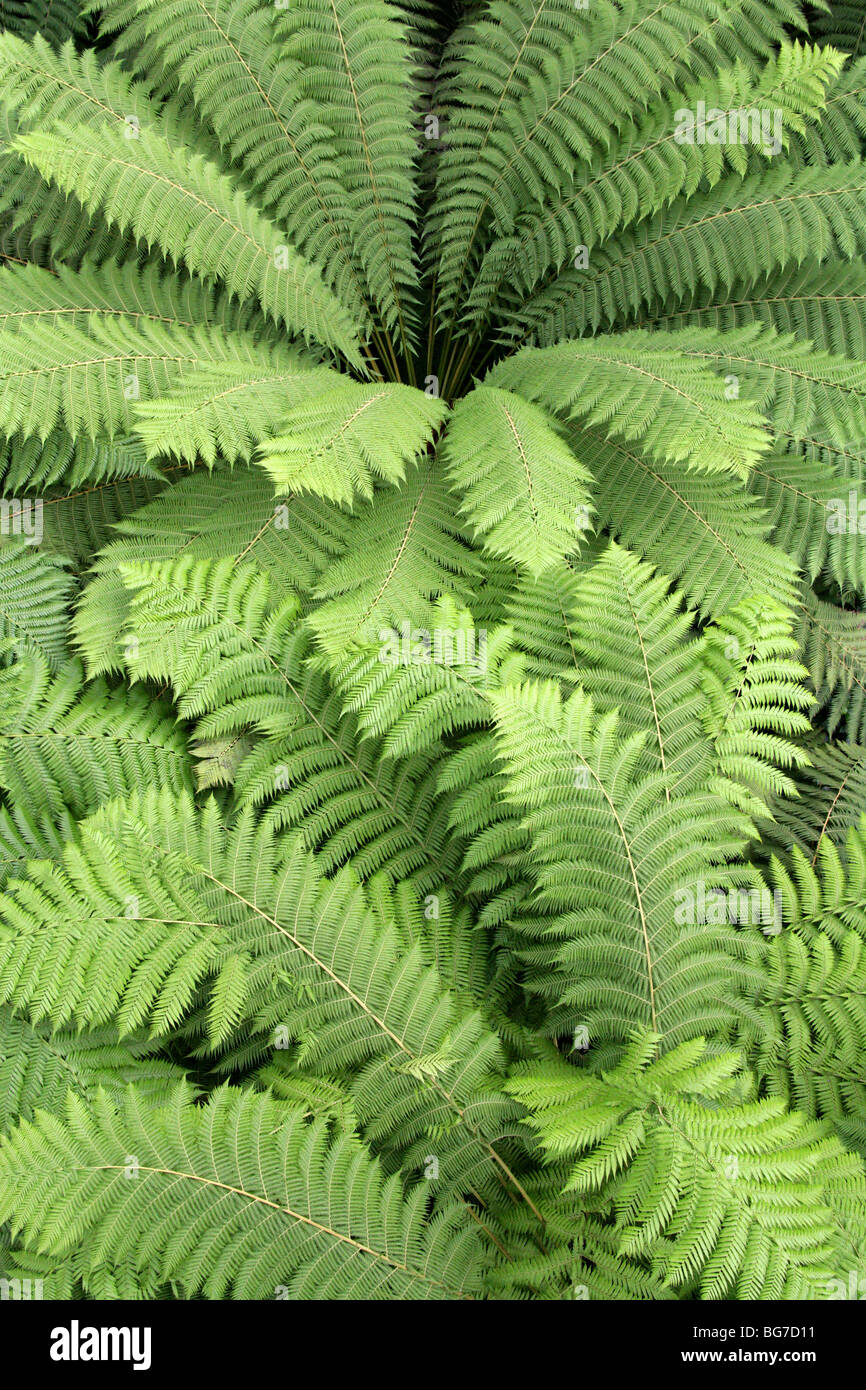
x=432 y=659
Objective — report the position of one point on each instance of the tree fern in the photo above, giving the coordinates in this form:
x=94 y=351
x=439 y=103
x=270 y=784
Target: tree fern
x=309 y=1208
x=432 y=666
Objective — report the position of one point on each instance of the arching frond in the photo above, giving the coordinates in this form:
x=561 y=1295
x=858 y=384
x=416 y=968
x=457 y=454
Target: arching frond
x=756 y=700
x=524 y=491
x=66 y=744
x=38 y=1068
x=619 y=865
x=640 y=385
x=747 y=1198
x=354 y=73
x=291 y=1203
x=226 y=55
x=35 y=591
x=805 y=1027
x=402 y=551
x=340 y=441
x=188 y=207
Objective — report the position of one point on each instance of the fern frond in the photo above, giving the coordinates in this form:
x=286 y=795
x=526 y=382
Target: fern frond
x=227 y=409
x=239 y=663
x=38 y=1068
x=756 y=701
x=354 y=72
x=35 y=591
x=243 y=1197
x=703 y=530
x=831 y=794
x=833 y=641
x=404 y=549
x=227 y=56
x=825 y=304
x=524 y=492
x=618 y=867
x=338 y=441
x=206 y=516
x=91 y=381
x=79 y=522
x=640 y=385
x=736 y=232
x=28 y=463
x=56 y=20
x=194 y=212
x=67 y=744
x=747 y=1198
x=805 y=1027
x=634 y=652
x=551 y=91
x=290 y=960
x=649 y=164
x=795 y=490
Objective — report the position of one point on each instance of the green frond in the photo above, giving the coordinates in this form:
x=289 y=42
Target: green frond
x=642 y=386
x=56 y=20
x=38 y=1068
x=91 y=382
x=831 y=794
x=795 y=489
x=833 y=643
x=353 y=71
x=412 y=693
x=238 y=660
x=226 y=55
x=825 y=304
x=35 y=591
x=206 y=516
x=844 y=26
x=243 y=1197
x=29 y=463
x=227 y=409
x=634 y=652
x=78 y=523
x=64 y=744
x=138 y=288
x=580 y=1258
x=747 y=1198
x=650 y=162
x=290 y=960
x=27 y=834
x=806 y=393
x=345 y=436
x=703 y=530
x=540 y=614
x=184 y=204
x=805 y=1027
x=404 y=549
x=524 y=492
x=843 y=121
x=756 y=701
x=618 y=868
x=736 y=232
x=546 y=92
